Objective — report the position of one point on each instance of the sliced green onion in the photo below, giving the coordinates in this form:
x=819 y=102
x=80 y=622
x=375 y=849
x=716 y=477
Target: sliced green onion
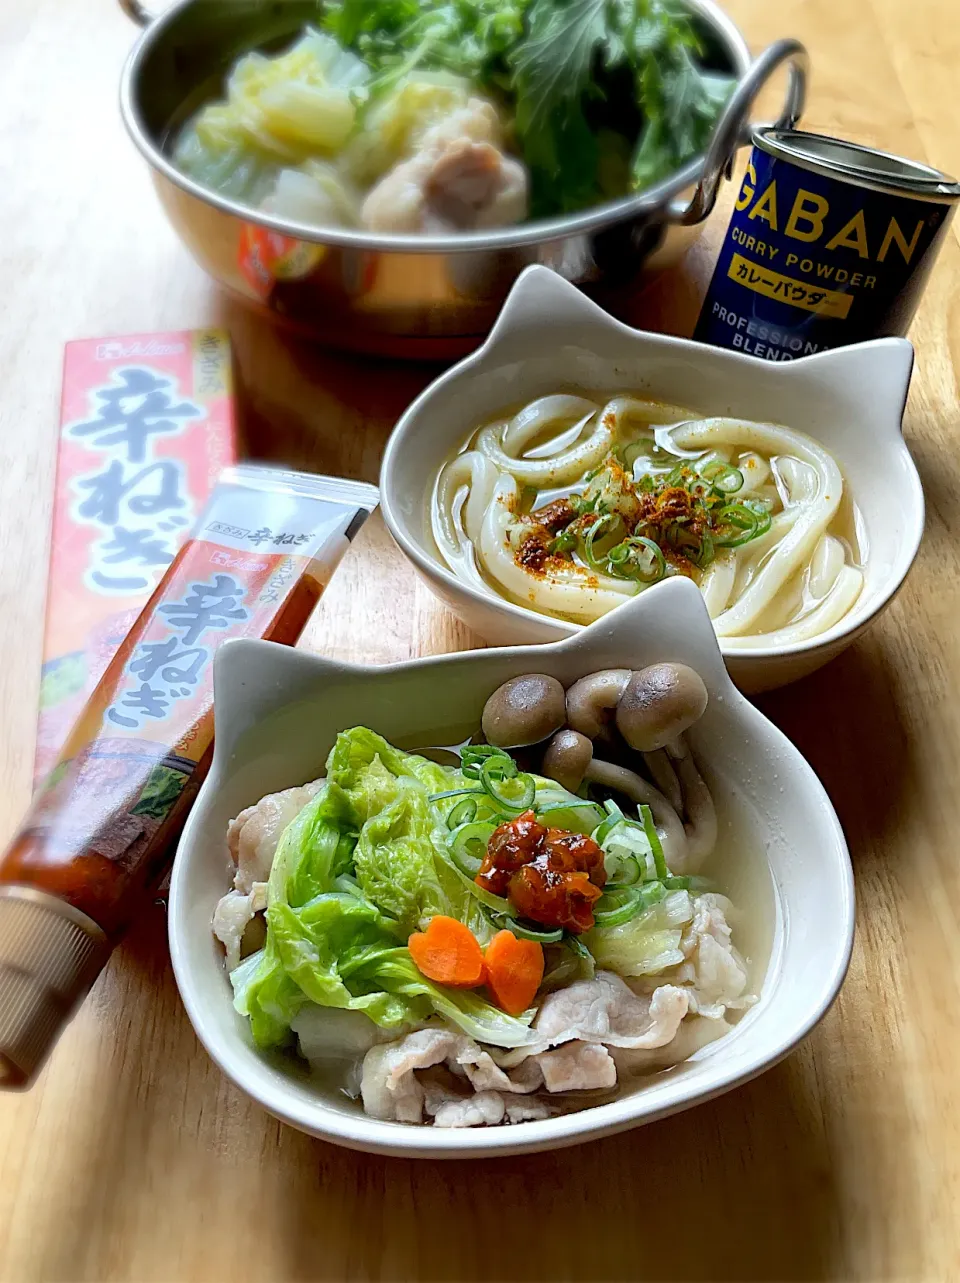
x=601 y=525
x=627 y=841
x=660 y=864
x=495 y=903
x=705 y=553
x=464 y=811
x=439 y=797
x=711 y=468
x=696 y=548
x=569 y=816
x=497 y=784
x=601 y=832
x=679 y=476
x=744 y=521
x=463 y=843
x=614 y=817
x=617 y=905
x=692 y=883
x=638 y=557
x=634 y=449
x=628 y=869
x=472 y=757
x=498 y=766
x=652 y=893
x=565 y=541
x=722 y=476
x=543 y=935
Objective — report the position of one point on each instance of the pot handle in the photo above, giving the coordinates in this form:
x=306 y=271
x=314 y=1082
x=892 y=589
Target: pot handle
x=734 y=126
x=138 y=12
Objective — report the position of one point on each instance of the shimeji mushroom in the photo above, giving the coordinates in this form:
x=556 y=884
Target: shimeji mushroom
x=658 y=704
x=524 y=710
x=569 y=760
x=592 y=701
x=567 y=757
x=652 y=707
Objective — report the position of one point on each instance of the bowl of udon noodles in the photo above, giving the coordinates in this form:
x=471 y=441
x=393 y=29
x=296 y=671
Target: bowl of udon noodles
x=376 y=173
x=573 y=464
x=504 y=900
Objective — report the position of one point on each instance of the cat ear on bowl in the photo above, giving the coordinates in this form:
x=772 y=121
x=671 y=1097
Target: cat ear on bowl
x=875 y=374
x=667 y=622
x=252 y=679
x=542 y=301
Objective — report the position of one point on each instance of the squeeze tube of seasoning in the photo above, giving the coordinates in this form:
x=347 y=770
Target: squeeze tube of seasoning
x=98 y=835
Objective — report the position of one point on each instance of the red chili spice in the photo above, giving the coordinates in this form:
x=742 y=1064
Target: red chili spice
x=551 y=876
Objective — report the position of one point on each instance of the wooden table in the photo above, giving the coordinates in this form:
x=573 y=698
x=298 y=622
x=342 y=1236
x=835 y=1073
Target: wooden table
x=132 y=1158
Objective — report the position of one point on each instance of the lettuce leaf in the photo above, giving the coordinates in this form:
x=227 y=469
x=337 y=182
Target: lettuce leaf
x=371 y=771
x=315 y=848
x=339 y=951
x=325 y=946
x=465 y=1008
x=267 y=996
x=401 y=859
x=361 y=867
x=399 y=866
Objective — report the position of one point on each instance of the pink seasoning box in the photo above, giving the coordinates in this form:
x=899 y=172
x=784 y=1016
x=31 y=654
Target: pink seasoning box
x=147 y=424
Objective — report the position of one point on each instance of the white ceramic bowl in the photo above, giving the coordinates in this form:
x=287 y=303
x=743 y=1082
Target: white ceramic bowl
x=549 y=337
x=278 y=712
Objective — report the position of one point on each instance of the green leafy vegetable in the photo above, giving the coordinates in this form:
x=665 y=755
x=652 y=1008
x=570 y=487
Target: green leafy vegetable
x=266 y=995
x=164 y=785
x=466 y=37
x=681 y=102
x=361 y=867
x=399 y=866
x=645 y=944
x=553 y=74
x=467 y=845
x=607 y=95
x=371 y=858
x=617 y=905
x=337 y=951
x=465 y=1008
x=368 y=769
x=401 y=858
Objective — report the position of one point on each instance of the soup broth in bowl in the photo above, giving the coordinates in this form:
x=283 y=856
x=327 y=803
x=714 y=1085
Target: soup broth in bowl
x=574 y=504
x=776 y=865
x=505 y=938
x=784 y=490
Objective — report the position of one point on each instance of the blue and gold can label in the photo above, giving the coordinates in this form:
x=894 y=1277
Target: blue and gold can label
x=830 y=243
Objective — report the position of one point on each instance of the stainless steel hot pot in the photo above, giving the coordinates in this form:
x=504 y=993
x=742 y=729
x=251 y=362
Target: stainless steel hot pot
x=403 y=295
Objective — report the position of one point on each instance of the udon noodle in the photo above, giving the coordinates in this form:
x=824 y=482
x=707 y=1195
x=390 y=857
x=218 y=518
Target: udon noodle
x=571 y=506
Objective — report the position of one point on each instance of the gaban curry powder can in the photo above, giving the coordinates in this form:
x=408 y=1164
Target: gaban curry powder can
x=830 y=243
